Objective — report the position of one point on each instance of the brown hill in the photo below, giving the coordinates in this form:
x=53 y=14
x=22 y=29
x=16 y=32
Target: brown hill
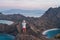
x=51 y=18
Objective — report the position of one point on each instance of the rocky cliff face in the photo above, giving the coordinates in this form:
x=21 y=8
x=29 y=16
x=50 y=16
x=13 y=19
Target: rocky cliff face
x=50 y=19
x=12 y=17
x=35 y=26
x=9 y=29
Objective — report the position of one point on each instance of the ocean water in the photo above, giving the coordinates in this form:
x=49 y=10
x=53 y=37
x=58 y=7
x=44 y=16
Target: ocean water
x=51 y=33
x=6 y=37
x=6 y=22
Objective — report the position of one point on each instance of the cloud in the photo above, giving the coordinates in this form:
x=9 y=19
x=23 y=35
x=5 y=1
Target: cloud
x=28 y=3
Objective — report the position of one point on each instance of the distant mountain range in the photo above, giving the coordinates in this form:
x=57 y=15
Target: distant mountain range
x=24 y=12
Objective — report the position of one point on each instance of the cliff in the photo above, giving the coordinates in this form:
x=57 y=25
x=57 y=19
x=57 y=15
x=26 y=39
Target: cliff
x=35 y=26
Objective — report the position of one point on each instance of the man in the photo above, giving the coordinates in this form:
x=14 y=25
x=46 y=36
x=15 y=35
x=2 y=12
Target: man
x=24 y=26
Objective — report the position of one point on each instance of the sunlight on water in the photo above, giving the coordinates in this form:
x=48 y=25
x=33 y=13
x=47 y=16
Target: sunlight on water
x=6 y=22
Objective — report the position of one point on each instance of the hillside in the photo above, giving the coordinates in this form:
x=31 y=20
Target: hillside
x=12 y=29
x=51 y=18
x=12 y=17
x=35 y=26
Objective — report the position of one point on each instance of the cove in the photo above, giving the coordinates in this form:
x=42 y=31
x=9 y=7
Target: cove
x=51 y=32
x=6 y=22
x=6 y=37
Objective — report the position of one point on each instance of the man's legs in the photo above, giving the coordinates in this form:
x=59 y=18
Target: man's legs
x=24 y=30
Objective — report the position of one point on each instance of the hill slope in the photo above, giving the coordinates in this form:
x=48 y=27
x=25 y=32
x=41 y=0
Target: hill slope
x=51 y=18
x=35 y=26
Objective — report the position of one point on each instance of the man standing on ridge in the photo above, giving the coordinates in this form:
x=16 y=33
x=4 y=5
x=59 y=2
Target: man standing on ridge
x=24 y=26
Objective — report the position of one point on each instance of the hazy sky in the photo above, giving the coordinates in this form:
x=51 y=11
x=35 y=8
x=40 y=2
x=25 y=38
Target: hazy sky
x=29 y=4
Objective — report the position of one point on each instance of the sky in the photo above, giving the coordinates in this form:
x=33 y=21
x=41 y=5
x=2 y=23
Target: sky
x=29 y=4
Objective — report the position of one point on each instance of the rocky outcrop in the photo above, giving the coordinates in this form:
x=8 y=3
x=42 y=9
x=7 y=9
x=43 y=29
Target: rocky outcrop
x=35 y=26
x=50 y=19
x=12 y=17
x=9 y=29
x=26 y=37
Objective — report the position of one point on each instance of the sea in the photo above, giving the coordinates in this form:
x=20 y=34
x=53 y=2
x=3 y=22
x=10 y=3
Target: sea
x=6 y=37
x=52 y=33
